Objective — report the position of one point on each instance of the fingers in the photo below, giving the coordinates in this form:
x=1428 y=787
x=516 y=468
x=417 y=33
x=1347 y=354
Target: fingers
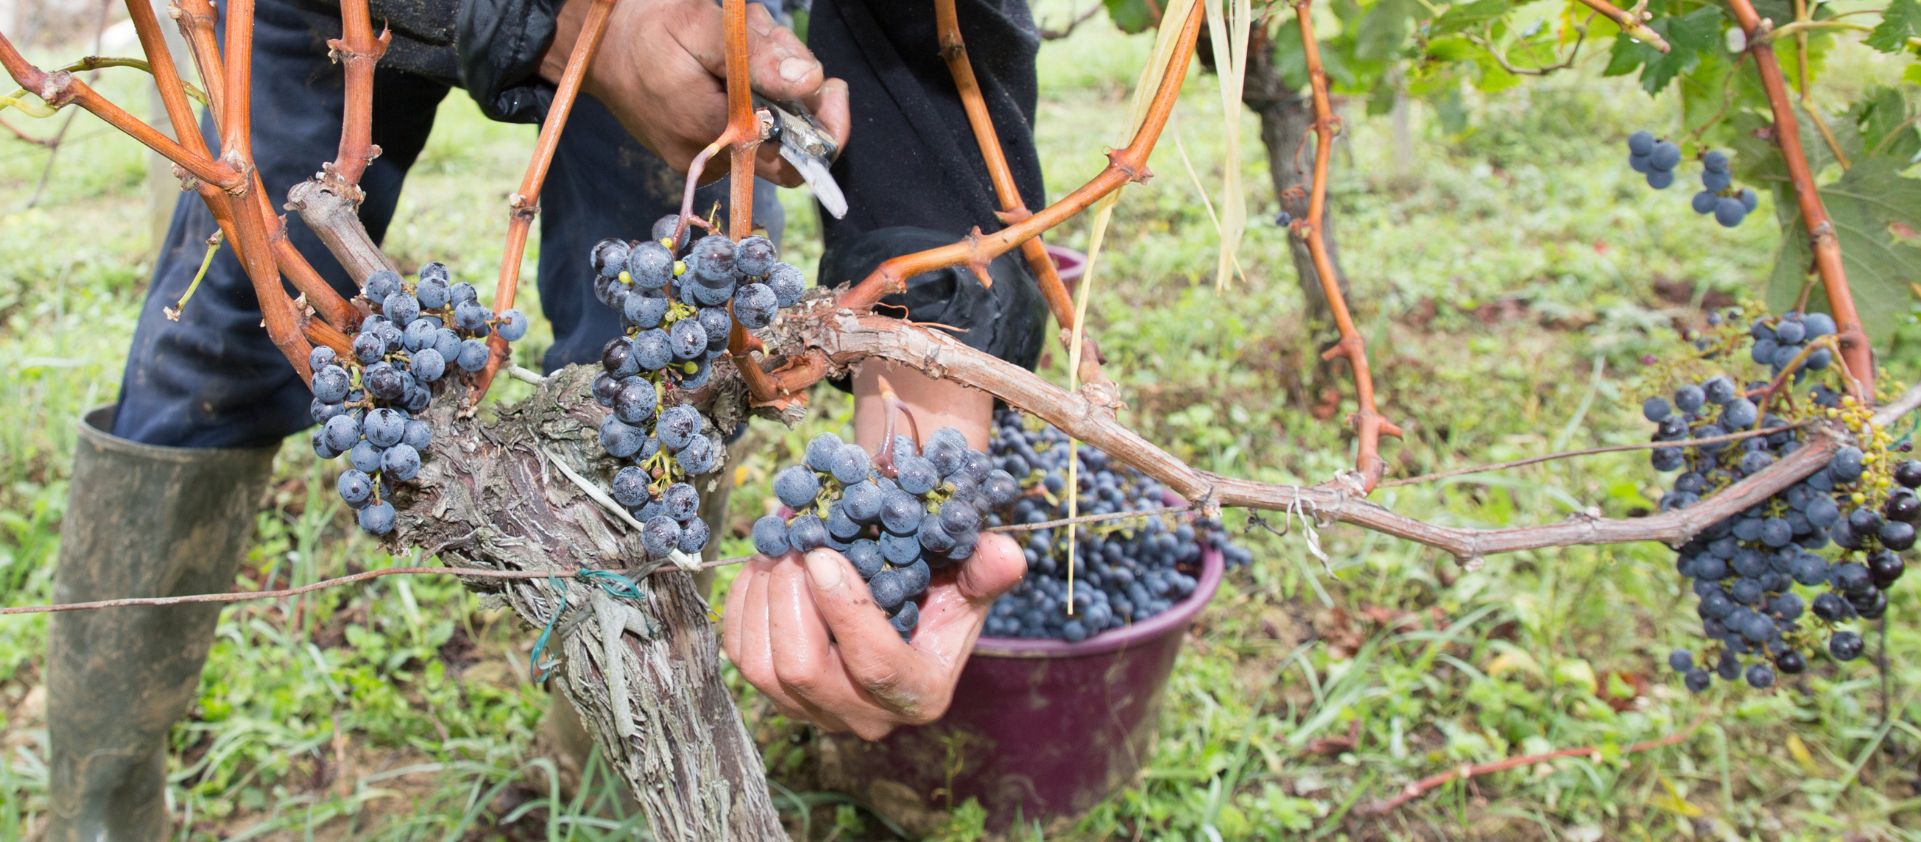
x=829 y=104
x=779 y=65
x=804 y=660
x=875 y=658
x=750 y=648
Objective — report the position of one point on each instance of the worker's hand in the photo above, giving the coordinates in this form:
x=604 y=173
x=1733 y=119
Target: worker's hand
x=661 y=69
x=807 y=633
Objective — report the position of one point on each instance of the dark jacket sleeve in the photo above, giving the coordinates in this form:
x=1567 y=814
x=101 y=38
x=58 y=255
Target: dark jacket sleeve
x=500 y=43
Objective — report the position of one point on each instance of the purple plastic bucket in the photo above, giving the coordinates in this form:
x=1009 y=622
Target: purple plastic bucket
x=1039 y=729
x=1068 y=263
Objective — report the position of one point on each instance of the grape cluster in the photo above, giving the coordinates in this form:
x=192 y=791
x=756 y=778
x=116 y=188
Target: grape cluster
x=673 y=299
x=367 y=403
x=1777 y=342
x=1655 y=159
x=1125 y=570
x=674 y=302
x=897 y=519
x=1829 y=546
x=1718 y=196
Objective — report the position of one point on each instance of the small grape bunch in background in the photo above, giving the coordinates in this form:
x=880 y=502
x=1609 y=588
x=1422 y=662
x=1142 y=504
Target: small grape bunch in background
x=897 y=519
x=1718 y=196
x=367 y=404
x=1653 y=158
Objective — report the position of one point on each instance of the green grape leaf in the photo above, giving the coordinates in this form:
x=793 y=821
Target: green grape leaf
x=1875 y=211
x=1689 y=38
x=1883 y=126
x=1383 y=31
x=1130 y=16
x=1899 y=22
x=1470 y=15
x=1290 y=61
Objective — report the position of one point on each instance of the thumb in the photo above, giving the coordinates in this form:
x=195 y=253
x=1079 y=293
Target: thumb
x=779 y=65
x=997 y=565
x=843 y=599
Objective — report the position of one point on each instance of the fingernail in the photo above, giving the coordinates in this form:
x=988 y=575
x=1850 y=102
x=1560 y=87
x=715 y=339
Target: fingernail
x=823 y=570
x=795 y=69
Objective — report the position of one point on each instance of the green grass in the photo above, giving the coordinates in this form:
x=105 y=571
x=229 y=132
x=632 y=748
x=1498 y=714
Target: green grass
x=1508 y=290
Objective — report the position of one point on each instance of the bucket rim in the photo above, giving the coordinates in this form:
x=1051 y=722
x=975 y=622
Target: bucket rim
x=1172 y=621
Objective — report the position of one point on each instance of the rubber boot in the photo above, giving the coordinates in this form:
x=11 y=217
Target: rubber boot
x=141 y=521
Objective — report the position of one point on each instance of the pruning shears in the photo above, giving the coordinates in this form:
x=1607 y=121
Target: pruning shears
x=806 y=145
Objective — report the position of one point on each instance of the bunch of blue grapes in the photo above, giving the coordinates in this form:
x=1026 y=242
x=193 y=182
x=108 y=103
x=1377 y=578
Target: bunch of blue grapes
x=1778 y=342
x=1718 y=196
x=1777 y=582
x=367 y=404
x=1125 y=570
x=897 y=518
x=1653 y=158
x=673 y=299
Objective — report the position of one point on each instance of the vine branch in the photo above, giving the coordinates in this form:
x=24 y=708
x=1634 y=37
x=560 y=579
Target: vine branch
x=1629 y=24
x=1430 y=783
x=1822 y=240
x=524 y=205
x=953 y=50
x=358 y=51
x=1368 y=421
x=844 y=339
x=743 y=136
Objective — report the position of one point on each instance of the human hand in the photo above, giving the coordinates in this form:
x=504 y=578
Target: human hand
x=661 y=69
x=807 y=633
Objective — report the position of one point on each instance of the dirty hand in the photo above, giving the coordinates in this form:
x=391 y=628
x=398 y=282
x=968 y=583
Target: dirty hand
x=806 y=632
x=661 y=69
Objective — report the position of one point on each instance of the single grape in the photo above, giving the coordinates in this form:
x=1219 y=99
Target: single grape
x=1729 y=212
x=473 y=355
x=678 y=425
x=355 y=487
x=788 y=284
x=681 y=501
x=511 y=325
x=660 y=535
x=1664 y=156
x=378 y=518
x=770 y=536
x=796 y=487
x=694 y=535
x=1641 y=142
x=754 y=256
x=1845 y=645
x=806 y=532
x=399 y=463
